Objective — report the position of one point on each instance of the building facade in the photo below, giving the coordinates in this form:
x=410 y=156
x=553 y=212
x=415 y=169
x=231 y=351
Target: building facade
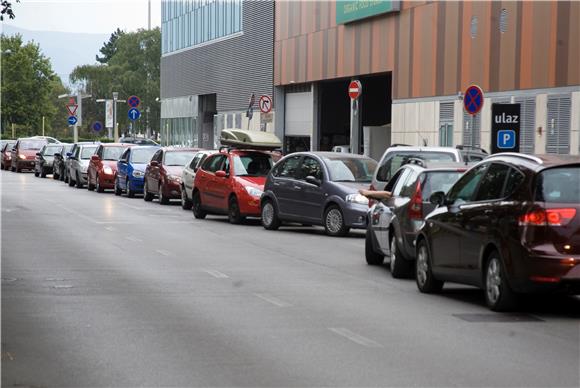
x=414 y=60
x=215 y=55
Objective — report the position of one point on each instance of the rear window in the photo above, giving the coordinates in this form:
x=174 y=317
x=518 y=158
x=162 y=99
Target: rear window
x=392 y=163
x=438 y=181
x=560 y=185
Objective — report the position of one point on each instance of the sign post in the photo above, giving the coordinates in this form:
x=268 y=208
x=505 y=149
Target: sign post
x=505 y=128
x=354 y=92
x=472 y=103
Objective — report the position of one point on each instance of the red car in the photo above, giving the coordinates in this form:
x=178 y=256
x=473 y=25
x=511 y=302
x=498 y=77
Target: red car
x=163 y=173
x=6 y=154
x=23 y=154
x=103 y=166
x=231 y=182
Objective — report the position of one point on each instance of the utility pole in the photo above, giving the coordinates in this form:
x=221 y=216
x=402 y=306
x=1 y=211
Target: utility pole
x=149 y=19
x=42 y=125
x=79 y=113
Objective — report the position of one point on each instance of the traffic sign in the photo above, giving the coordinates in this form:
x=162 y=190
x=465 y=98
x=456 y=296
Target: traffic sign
x=265 y=104
x=133 y=114
x=97 y=126
x=354 y=89
x=72 y=120
x=505 y=127
x=72 y=109
x=473 y=100
x=506 y=139
x=133 y=101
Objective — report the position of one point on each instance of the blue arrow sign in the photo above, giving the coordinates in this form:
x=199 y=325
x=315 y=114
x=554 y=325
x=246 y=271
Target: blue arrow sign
x=134 y=114
x=97 y=126
x=72 y=120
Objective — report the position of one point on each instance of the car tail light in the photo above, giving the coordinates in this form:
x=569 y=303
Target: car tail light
x=416 y=204
x=544 y=279
x=551 y=217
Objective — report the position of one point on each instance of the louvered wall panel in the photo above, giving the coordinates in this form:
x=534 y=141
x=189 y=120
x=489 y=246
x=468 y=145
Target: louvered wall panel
x=558 y=124
x=446 y=111
x=232 y=68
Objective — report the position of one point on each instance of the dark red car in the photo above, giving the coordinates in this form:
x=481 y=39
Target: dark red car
x=23 y=154
x=231 y=182
x=163 y=173
x=6 y=154
x=102 y=169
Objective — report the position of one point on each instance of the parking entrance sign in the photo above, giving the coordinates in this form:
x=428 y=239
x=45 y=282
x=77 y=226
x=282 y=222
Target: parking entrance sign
x=505 y=128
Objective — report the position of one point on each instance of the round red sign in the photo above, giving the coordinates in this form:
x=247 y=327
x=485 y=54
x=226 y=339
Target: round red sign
x=354 y=90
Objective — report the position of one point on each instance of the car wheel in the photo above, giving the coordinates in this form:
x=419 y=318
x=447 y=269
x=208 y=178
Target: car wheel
x=130 y=193
x=270 y=218
x=163 y=200
x=400 y=267
x=334 y=222
x=55 y=175
x=43 y=173
x=65 y=178
x=426 y=282
x=185 y=202
x=373 y=258
x=234 y=214
x=198 y=211
x=98 y=185
x=71 y=183
x=147 y=196
x=498 y=294
x=118 y=190
x=79 y=183
x=12 y=169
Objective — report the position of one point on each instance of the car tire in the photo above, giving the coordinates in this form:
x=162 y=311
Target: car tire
x=43 y=173
x=197 y=207
x=78 y=182
x=55 y=175
x=234 y=215
x=163 y=200
x=147 y=196
x=36 y=173
x=130 y=193
x=373 y=258
x=118 y=190
x=498 y=294
x=270 y=220
x=400 y=267
x=71 y=183
x=334 y=222
x=98 y=187
x=424 y=278
x=186 y=203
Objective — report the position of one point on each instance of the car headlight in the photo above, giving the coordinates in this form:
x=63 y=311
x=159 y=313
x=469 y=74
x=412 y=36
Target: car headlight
x=138 y=174
x=107 y=170
x=84 y=169
x=22 y=156
x=174 y=178
x=254 y=192
x=357 y=198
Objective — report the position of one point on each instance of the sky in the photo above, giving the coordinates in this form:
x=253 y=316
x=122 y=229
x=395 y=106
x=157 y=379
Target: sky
x=84 y=16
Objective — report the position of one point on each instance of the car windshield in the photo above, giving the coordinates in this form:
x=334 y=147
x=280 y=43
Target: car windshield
x=391 y=164
x=50 y=151
x=112 y=153
x=252 y=164
x=32 y=144
x=9 y=146
x=351 y=169
x=142 y=155
x=559 y=185
x=178 y=158
x=137 y=141
x=87 y=152
x=438 y=181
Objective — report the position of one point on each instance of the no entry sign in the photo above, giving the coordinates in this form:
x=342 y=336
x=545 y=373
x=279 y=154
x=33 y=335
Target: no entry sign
x=473 y=100
x=354 y=89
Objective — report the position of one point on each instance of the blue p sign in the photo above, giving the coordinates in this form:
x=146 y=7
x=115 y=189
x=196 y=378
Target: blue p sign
x=506 y=139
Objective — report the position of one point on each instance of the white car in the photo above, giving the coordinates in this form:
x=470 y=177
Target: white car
x=188 y=177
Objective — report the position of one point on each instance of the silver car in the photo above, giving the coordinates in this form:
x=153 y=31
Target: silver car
x=45 y=158
x=79 y=163
x=188 y=177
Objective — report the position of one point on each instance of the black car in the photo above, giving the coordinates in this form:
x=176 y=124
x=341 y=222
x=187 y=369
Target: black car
x=319 y=188
x=44 y=159
x=393 y=223
x=510 y=225
x=58 y=164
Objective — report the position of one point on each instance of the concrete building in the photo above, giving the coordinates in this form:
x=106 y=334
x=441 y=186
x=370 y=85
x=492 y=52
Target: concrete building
x=415 y=59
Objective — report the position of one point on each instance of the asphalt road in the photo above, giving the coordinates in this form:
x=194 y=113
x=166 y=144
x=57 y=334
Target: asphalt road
x=102 y=291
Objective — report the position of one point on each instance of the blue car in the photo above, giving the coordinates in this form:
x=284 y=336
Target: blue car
x=131 y=169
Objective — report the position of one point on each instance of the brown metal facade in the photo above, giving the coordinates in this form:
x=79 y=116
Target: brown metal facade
x=433 y=48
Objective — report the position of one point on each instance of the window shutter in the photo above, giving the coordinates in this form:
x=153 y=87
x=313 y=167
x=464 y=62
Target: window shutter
x=558 y=124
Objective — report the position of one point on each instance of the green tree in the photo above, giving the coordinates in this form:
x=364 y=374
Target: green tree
x=109 y=48
x=6 y=9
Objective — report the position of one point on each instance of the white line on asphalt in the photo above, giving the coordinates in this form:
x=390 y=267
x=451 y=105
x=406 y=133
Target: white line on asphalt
x=216 y=274
x=272 y=299
x=162 y=252
x=110 y=228
x=359 y=339
x=133 y=238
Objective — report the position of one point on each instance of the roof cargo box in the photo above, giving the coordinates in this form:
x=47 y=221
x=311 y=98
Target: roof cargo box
x=240 y=138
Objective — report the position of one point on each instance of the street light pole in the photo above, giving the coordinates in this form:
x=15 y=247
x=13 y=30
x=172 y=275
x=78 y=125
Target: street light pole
x=116 y=128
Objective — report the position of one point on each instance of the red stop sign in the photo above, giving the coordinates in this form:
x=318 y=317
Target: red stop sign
x=354 y=90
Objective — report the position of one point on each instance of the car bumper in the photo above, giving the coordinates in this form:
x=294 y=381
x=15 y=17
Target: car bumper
x=26 y=164
x=547 y=273
x=136 y=184
x=172 y=189
x=250 y=206
x=107 y=181
x=355 y=215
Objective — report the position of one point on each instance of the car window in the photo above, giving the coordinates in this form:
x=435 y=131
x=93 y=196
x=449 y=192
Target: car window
x=213 y=163
x=51 y=150
x=493 y=182
x=438 y=181
x=195 y=161
x=391 y=183
x=394 y=161
x=287 y=169
x=86 y=152
x=226 y=166
x=142 y=155
x=257 y=164
x=125 y=155
x=112 y=153
x=514 y=180
x=345 y=169
x=400 y=182
x=309 y=167
x=464 y=189
x=559 y=185
x=178 y=158
x=408 y=188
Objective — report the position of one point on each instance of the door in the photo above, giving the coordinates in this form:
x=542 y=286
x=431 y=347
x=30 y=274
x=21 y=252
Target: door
x=122 y=167
x=383 y=208
x=208 y=189
x=189 y=174
x=308 y=197
x=283 y=180
x=155 y=173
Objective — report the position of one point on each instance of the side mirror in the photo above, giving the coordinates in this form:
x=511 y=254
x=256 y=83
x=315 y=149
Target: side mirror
x=95 y=158
x=437 y=198
x=68 y=154
x=312 y=180
x=154 y=163
x=38 y=154
x=221 y=174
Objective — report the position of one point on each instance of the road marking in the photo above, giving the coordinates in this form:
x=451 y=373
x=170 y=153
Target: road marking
x=63 y=286
x=359 y=339
x=272 y=299
x=162 y=252
x=110 y=228
x=133 y=238
x=216 y=274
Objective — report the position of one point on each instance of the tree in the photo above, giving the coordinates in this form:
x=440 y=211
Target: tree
x=109 y=48
x=6 y=9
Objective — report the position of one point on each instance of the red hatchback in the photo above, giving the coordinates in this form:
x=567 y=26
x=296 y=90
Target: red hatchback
x=163 y=173
x=231 y=183
x=103 y=166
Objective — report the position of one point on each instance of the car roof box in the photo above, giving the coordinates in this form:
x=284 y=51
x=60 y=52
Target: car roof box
x=240 y=138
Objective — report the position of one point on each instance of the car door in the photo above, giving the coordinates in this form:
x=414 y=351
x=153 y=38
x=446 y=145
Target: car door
x=155 y=174
x=283 y=180
x=308 y=198
x=446 y=228
x=402 y=224
x=189 y=173
x=207 y=188
x=123 y=167
x=384 y=214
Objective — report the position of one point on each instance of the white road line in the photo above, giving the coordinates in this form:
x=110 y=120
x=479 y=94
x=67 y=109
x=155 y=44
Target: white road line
x=162 y=252
x=110 y=228
x=359 y=339
x=272 y=299
x=216 y=274
x=133 y=238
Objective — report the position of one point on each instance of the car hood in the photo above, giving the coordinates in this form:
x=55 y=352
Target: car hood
x=174 y=170
x=110 y=163
x=256 y=181
x=352 y=187
x=139 y=166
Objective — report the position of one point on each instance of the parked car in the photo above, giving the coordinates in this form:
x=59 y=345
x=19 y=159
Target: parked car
x=137 y=140
x=163 y=174
x=68 y=160
x=131 y=169
x=188 y=177
x=58 y=164
x=393 y=224
x=318 y=188
x=231 y=182
x=395 y=156
x=79 y=163
x=510 y=225
x=23 y=154
x=44 y=159
x=6 y=154
x=102 y=169
x=48 y=139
